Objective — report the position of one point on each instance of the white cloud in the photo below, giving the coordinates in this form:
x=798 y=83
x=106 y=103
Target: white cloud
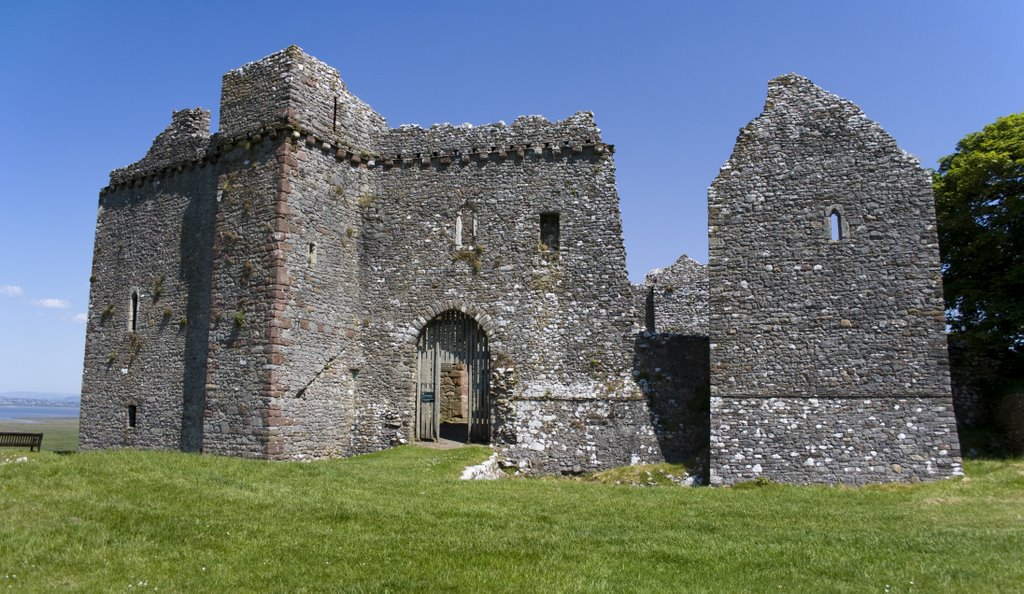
x=51 y=303
x=81 y=318
x=10 y=290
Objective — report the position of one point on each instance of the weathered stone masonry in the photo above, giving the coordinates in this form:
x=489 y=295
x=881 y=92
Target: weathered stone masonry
x=828 y=350
x=291 y=274
x=152 y=238
x=331 y=243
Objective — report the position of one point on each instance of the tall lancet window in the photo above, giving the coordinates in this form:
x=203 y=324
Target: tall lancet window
x=835 y=224
x=465 y=229
x=133 y=312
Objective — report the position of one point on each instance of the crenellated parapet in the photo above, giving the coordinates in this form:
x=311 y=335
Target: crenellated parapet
x=527 y=137
x=186 y=140
x=530 y=138
x=217 y=147
x=294 y=88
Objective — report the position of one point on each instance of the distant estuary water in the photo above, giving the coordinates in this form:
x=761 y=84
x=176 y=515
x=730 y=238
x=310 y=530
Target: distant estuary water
x=26 y=413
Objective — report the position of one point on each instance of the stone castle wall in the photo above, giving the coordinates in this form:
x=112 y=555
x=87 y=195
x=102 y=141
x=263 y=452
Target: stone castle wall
x=833 y=440
x=291 y=87
x=153 y=236
x=672 y=371
x=307 y=247
x=675 y=299
x=321 y=313
x=797 y=315
x=332 y=242
x=457 y=217
x=245 y=279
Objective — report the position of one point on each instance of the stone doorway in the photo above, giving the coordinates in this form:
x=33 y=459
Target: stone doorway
x=452 y=379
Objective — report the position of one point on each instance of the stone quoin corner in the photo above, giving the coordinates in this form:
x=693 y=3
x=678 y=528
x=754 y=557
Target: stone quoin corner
x=308 y=282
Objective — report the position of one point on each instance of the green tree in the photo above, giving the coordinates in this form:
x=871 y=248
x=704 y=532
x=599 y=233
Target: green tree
x=979 y=194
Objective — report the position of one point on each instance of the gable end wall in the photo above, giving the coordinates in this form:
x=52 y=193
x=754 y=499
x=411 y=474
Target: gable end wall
x=828 y=360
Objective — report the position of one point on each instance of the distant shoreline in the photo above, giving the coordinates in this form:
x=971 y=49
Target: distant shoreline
x=35 y=421
x=38 y=400
x=38 y=404
x=30 y=414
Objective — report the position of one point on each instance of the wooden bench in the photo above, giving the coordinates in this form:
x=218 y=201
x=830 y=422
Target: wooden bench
x=32 y=441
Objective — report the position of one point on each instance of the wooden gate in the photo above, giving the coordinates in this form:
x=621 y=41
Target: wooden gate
x=453 y=343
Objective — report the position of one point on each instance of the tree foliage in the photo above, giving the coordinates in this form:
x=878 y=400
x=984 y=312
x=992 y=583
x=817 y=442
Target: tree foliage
x=979 y=193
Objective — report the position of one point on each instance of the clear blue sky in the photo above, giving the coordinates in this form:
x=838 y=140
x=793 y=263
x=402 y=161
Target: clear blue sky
x=87 y=87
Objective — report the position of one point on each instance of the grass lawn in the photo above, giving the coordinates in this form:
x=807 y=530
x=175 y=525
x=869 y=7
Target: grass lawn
x=60 y=434
x=401 y=521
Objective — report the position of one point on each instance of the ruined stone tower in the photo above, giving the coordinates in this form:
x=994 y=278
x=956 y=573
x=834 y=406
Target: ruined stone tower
x=828 y=346
x=308 y=282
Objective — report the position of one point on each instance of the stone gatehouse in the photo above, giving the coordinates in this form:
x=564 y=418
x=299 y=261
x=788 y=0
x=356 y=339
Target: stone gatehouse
x=307 y=282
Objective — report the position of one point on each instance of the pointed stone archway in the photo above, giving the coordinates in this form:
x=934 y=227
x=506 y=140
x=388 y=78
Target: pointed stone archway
x=452 y=380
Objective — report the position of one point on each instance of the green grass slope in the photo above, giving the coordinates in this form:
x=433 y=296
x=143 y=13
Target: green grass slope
x=401 y=521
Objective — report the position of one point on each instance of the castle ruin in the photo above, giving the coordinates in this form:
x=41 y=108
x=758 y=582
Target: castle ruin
x=308 y=282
